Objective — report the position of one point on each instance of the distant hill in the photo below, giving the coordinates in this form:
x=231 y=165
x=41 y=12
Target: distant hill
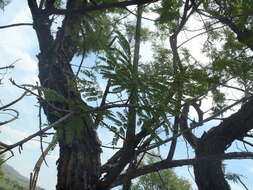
x=13 y=180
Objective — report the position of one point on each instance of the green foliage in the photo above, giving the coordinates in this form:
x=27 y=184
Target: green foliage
x=158 y=82
x=152 y=100
x=232 y=60
x=97 y=29
x=130 y=32
x=161 y=180
x=58 y=3
x=118 y=66
x=95 y=34
x=73 y=129
x=88 y=85
x=239 y=10
x=169 y=15
x=118 y=126
x=12 y=180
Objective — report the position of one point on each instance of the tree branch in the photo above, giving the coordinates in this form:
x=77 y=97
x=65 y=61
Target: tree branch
x=7 y=67
x=188 y=135
x=166 y=164
x=14 y=117
x=103 y=6
x=40 y=132
x=13 y=102
x=14 y=25
x=100 y=116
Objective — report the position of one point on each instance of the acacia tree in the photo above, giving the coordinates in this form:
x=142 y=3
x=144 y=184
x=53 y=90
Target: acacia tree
x=146 y=95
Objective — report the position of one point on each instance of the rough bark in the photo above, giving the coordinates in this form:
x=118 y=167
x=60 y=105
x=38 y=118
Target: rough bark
x=209 y=174
x=79 y=161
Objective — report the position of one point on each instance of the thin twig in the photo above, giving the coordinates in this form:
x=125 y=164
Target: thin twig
x=40 y=132
x=40 y=124
x=13 y=102
x=7 y=67
x=198 y=35
x=99 y=116
x=14 y=25
x=246 y=142
x=34 y=175
x=12 y=119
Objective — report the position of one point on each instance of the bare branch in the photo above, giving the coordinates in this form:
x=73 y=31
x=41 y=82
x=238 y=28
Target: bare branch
x=99 y=116
x=194 y=125
x=188 y=135
x=13 y=102
x=7 y=67
x=14 y=25
x=174 y=141
x=14 y=117
x=165 y=164
x=34 y=175
x=40 y=132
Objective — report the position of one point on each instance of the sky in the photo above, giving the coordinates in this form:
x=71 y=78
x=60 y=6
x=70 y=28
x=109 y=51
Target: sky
x=19 y=45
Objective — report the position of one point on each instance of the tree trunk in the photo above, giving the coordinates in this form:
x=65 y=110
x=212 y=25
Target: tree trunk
x=79 y=161
x=209 y=174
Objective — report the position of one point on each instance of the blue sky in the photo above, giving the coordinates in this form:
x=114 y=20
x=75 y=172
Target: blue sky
x=20 y=43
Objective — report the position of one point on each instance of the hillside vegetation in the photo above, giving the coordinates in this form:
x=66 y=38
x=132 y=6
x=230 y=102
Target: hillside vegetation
x=13 y=180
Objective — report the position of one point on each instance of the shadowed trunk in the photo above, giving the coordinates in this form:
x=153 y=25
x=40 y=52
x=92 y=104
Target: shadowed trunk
x=209 y=174
x=79 y=161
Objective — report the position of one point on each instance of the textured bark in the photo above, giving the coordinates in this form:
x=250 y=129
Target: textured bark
x=79 y=161
x=209 y=174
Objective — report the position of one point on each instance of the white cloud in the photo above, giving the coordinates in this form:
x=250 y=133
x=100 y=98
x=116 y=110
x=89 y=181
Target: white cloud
x=250 y=169
x=18 y=42
x=17 y=135
x=14 y=133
